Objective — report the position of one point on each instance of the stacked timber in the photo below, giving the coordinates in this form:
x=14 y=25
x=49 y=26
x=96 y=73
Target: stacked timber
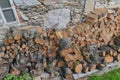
x=90 y=45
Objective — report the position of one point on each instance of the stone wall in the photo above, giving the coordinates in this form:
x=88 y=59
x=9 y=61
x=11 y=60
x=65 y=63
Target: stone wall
x=73 y=10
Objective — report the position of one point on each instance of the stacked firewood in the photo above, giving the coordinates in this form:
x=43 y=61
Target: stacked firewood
x=84 y=48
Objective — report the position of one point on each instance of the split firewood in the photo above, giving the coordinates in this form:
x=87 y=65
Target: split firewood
x=58 y=34
x=40 y=30
x=40 y=41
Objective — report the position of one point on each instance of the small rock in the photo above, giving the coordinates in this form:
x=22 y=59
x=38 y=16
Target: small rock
x=45 y=75
x=38 y=78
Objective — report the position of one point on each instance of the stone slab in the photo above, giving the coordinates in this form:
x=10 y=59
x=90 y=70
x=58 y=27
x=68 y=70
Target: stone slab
x=89 y=5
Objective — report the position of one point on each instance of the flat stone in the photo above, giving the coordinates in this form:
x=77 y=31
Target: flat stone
x=89 y=6
x=58 y=16
x=50 y=2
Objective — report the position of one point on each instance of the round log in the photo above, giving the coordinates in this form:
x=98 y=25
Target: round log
x=108 y=58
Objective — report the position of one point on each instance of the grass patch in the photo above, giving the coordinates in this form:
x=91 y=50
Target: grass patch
x=112 y=75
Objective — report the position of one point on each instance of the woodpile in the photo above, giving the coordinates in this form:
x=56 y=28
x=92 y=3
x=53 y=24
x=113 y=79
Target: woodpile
x=90 y=45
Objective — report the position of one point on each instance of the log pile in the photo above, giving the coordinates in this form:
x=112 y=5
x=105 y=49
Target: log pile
x=90 y=45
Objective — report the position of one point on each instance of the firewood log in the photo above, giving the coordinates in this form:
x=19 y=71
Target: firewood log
x=61 y=63
x=58 y=34
x=15 y=72
x=11 y=41
x=108 y=58
x=24 y=46
x=44 y=63
x=68 y=74
x=92 y=67
x=7 y=47
x=117 y=57
x=13 y=46
x=115 y=53
x=86 y=54
x=102 y=53
x=100 y=66
x=117 y=40
x=40 y=41
x=84 y=63
x=77 y=67
x=40 y=30
x=3 y=48
x=17 y=35
x=70 y=64
x=6 y=42
x=2 y=54
x=88 y=60
x=85 y=69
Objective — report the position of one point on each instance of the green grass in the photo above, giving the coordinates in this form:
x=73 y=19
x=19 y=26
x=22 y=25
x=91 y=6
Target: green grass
x=112 y=75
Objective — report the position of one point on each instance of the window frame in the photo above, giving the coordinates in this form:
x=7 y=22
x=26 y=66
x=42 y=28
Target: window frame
x=12 y=7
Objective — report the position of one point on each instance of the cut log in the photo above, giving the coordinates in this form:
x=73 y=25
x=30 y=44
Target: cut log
x=40 y=30
x=40 y=41
x=58 y=34
x=11 y=41
x=102 y=53
x=117 y=57
x=84 y=63
x=16 y=72
x=85 y=69
x=6 y=42
x=108 y=58
x=16 y=34
x=71 y=64
x=2 y=54
x=92 y=67
x=7 y=47
x=88 y=60
x=100 y=66
x=68 y=74
x=61 y=63
x=3 y=48
x=115 y=54
x=13 y=46
x=78 y=68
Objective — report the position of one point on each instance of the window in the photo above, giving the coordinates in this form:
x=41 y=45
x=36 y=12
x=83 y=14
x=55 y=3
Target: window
x=8 y=11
